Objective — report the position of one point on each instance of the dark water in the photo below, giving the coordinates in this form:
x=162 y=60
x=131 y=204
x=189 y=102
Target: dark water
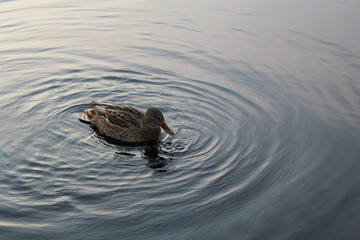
x=263 y=96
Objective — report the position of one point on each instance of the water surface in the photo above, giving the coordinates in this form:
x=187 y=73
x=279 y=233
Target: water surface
x=263 y=97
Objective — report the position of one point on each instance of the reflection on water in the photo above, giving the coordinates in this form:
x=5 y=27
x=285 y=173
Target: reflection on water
x=263 y=98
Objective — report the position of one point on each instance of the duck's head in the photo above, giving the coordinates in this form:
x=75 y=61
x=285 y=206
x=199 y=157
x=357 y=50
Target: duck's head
x=154 y=117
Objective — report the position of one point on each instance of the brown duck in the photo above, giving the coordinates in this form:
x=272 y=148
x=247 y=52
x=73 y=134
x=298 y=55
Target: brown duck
x=126 y=123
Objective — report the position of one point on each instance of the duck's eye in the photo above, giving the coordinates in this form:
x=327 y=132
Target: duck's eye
x=158 y=118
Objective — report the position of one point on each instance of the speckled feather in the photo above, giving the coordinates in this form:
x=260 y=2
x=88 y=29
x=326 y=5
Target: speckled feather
x=124 y=116
x=128 y=134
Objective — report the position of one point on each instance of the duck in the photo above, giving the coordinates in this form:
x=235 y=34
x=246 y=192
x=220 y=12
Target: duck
x=126 y=123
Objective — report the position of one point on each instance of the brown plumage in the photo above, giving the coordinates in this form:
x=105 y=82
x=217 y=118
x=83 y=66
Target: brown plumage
x=126 y=123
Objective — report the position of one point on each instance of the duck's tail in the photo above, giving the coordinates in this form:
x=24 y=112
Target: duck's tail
x=99 y=108
x=86 y=115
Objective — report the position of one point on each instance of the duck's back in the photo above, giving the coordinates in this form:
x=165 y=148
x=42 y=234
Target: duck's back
x=124 y=116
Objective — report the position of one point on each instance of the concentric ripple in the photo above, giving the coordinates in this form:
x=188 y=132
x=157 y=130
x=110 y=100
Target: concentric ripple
x=265 y=120
x=71 y=169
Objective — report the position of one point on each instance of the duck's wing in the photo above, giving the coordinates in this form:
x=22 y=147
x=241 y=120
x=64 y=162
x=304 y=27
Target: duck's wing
x=127 y=134
x=124 y=116
x=120 y=115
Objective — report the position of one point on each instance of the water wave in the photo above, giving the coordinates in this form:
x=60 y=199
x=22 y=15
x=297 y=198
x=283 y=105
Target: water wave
x=262 y=139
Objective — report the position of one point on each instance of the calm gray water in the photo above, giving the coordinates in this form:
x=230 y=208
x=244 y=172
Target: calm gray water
x=263 y=96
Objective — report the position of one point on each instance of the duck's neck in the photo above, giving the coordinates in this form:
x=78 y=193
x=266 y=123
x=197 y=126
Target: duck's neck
x=149 y=133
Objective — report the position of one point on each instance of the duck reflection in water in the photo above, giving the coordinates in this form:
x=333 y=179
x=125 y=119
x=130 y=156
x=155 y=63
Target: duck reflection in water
x=151 y=151
x=157 y=158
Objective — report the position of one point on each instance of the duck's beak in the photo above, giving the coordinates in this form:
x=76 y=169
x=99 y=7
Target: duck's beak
x=166 y=128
